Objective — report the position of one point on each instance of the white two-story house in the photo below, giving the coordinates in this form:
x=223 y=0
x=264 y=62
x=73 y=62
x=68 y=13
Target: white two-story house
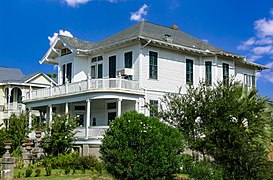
x=14 y=86
x=99 y=81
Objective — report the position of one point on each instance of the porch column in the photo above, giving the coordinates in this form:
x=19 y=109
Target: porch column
x=88 y=101
x=119 y=107
x=66 y=108
x=137 y=105
x=29 y=118
x=50 y=116
x=9 y=95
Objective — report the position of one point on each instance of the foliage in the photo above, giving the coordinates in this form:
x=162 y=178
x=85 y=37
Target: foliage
x=71 y=160
x=17 y=131
x=228 y=122
x=60 y=135
x=28 y=172
x=187 y=164
x=67 y=170
x=2 y=139
x=37 y=172
x=48 y=169
x=140 y=147
x=204 y=170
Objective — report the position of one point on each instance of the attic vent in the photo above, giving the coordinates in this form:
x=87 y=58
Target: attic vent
x=168 y=38
x=174 y=26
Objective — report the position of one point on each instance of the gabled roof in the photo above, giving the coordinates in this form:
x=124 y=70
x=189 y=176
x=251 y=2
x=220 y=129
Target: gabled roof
x=149 y=32
x=14 y=75
x=10 y=74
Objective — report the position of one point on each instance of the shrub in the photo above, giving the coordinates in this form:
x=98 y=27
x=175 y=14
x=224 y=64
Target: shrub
x=187 y=164
x=48 y=169
x=203 y=170
x=140 y=147
x=37 y=172
x=67 y=170
x=28 y=172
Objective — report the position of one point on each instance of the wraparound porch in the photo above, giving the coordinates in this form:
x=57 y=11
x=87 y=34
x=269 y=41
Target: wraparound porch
x=93 y=114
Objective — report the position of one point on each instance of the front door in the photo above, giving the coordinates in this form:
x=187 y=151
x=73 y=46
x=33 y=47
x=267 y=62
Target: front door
x=111 y=116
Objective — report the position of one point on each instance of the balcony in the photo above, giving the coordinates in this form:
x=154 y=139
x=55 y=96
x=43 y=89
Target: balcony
x=94 y=132
x=83 y=86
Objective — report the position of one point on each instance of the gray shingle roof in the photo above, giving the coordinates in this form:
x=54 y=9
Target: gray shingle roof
x=146 y=30
x=14 y=75
x=10 y=74
x=77 y=43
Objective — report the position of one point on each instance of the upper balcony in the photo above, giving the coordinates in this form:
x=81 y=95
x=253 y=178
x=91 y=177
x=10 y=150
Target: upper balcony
x=89 y=85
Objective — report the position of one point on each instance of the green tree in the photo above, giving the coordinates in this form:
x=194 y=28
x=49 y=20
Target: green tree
x=140 y=147
x=2 y=139
x=228 y=122
x=60 y=135
x=17 y=130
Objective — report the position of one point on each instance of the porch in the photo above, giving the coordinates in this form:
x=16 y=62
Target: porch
x=92 y=115
x=89 y=85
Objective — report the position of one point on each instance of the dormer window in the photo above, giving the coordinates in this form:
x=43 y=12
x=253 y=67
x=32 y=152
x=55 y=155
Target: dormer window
x=65 y=51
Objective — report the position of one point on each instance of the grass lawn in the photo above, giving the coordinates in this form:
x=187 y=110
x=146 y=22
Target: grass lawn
x=59 y=174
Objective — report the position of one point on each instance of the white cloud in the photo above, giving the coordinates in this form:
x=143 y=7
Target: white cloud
x=264 y=27
x=138 y=15
x=262 y=50
x=265 y=41
x=254 y=57
x=74 y=3
x=61 y=32
x=246 y=44
x=205 y=40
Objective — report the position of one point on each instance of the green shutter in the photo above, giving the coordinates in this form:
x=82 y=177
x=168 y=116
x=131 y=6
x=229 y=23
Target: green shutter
x=208 y=73
x=100 y=70
x=153 y=65
x=128 y=59
x=112 y=67
x=189 y=71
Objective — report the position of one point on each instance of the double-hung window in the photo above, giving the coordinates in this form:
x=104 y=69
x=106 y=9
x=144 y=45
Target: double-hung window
x=225 y=73
x=153 y=65
x=208 y=73
x=189 y=71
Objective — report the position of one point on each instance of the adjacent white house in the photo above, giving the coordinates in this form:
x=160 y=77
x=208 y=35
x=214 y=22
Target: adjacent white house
x=15 y=86
x=99 y=81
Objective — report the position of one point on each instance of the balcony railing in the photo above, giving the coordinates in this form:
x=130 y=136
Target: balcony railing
x=96 y=132
x=82 y=86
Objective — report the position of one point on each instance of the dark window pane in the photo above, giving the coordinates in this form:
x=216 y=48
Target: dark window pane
x=153 y=65
x=128 y=59
x=100 y=58
x=94 y=59
x=69 y=72
x=208 y=73
x=112 y=67
x=225 y=73
x=153 y=108
x=79 y=108
x=100 y=70
x=63 y=74
x=189 y=71
x=112 y=105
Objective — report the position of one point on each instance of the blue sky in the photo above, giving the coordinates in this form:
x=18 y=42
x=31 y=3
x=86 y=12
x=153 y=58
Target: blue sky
x=244 y=27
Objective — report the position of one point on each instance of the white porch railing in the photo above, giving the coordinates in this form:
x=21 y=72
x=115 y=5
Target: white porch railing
x=87 y=85
x=93 y=132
